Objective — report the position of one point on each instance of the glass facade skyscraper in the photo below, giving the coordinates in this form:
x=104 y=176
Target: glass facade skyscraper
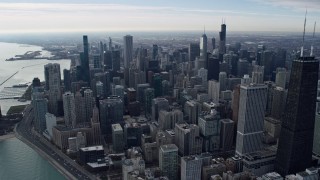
x=296 y=138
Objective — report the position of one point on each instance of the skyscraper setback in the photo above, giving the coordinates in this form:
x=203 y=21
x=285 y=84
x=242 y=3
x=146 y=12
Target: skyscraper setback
x=296 y=138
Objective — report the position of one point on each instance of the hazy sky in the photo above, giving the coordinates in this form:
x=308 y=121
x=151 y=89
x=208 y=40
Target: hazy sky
x=156 y=15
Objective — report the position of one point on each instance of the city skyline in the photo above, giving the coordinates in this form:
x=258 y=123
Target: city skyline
x=143 y=15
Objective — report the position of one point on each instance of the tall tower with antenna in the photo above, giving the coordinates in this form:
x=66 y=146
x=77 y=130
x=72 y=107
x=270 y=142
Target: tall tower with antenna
x=222 y=35
x=314 y=33
x=294 y=152
x=204 y=47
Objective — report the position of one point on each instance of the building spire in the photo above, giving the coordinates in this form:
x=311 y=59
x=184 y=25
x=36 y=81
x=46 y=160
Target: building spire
x=314 y=33
x=304 y=33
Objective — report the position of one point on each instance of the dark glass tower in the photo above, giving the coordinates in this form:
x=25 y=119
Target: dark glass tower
x=296 y=138
x=223 y=35
x=213 y=68
x=85 y=60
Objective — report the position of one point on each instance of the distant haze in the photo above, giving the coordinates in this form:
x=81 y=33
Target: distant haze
x=156 y=15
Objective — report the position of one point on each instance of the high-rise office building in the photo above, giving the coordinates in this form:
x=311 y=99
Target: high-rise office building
x=226 y=134
x=97 y=62
x=297 y=129
x=194 y=51
x=147 y=99
x=80 y=109
x=67 y=80
x=168 y=161
x=223 y=81
x=155 y=51
x=222 y=43
x=51 y=121
x=69 y=109
x=267 y=59
x=213 y=42
x=191 y=168
x=257 y=74
x=128 y=50
x=204 y=49
x=279 y=97
x=117 y=138
x=89 y=103
x=111 y=111
x=209 y=126
x=192 y=110
x=187 y=138
x=157 y=85
x=203 y=73
x=213 y=68
x=168 y=119
x=214 y=90
x=40 y=108
x=85 y=61
x=253 y=101
x=158 y=104
x=281 y=77
x=242 y=67
x=115 y=56
x=53 y=85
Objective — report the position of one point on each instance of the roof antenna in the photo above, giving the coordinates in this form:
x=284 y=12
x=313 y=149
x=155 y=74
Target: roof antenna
x=204 y=29
x=304 y=33
x=314 y=33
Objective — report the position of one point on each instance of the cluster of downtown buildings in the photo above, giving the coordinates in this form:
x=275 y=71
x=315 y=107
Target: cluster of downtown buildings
x=183 y=113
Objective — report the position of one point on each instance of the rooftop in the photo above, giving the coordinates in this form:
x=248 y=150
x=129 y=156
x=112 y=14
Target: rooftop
x=92 y=148
x=116 y=127
x=169 y=148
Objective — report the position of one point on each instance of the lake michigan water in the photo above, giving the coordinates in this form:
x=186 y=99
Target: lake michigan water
x=17 y=160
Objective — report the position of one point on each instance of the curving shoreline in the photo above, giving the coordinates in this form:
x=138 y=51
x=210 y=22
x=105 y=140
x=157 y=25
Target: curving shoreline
x=59 y=168
x=7 y=136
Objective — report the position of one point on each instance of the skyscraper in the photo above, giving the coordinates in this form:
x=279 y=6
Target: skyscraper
x=117 y=138
x=213 y=41
x=222 y=35
x=154 y=52
x=168 y=161
x=67 y=80
x=53 y=85
x=296 y=138
x=69 y=109
x=214 y=90
x=158 y=104
x=187 y=138
x=40 y=109
x=226 y=134
x=253 y=101
x=223 y=81
x=85 y=60
x=257 y=74
x=204 y=48
x=194 y=51
x=213 y=68
x=191 y=167
x=111 y=111
x=128 y=50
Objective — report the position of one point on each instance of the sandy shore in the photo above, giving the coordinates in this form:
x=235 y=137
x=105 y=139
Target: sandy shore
x=7 y=136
